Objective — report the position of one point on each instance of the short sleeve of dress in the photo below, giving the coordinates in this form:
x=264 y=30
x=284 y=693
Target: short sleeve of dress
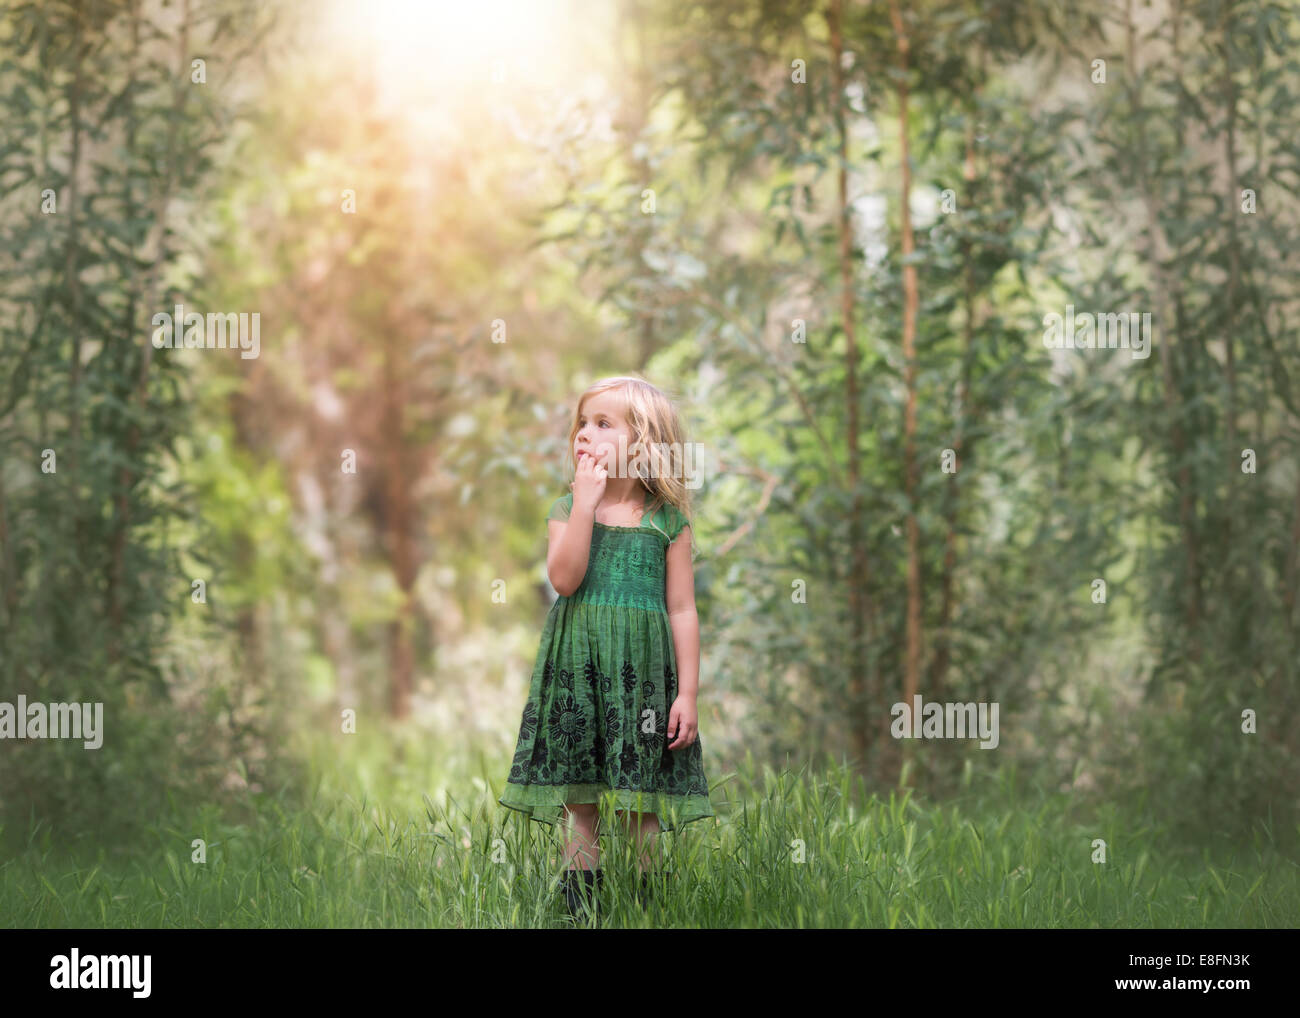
x=677 y=522
x=560 y=508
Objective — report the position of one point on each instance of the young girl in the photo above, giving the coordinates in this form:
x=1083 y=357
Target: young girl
x=611 y=712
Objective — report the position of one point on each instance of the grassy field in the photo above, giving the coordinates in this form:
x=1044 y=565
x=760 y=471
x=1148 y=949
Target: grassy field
x=397 y=839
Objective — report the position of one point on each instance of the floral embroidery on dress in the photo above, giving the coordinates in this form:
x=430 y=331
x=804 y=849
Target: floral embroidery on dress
x=567 y=723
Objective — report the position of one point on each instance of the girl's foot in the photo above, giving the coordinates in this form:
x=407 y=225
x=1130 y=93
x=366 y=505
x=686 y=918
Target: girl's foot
x=581 y=893
x=645 y=894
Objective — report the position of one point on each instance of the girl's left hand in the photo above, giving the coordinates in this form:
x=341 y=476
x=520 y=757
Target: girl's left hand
x=683 y=722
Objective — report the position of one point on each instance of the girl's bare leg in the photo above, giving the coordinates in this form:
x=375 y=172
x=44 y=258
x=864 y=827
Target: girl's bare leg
x=582 y=847
x=644 y=828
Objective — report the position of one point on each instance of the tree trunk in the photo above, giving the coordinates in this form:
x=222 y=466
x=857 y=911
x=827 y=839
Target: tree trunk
x=1157 y=253
x=943 y=641
x=72 y=274
x=126 y=478
x=863 y=690
x=912 y=667
x=1234 y=281
x=8 y=581
x=398 y=525
x=1293 y=560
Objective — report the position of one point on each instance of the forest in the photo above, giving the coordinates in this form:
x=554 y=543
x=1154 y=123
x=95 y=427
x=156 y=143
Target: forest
x=983 y=314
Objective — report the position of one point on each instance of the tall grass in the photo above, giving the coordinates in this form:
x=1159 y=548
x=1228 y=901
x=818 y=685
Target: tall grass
x=399 y=832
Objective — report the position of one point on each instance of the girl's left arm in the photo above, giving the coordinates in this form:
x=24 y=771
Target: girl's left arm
x=679 y=594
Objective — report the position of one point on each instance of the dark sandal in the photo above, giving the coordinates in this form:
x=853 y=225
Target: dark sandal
x=582 y=893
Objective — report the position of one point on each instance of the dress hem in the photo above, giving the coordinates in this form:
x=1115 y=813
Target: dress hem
x=682 y=809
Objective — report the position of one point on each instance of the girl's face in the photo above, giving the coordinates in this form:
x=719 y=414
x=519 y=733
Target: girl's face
x=601 y=426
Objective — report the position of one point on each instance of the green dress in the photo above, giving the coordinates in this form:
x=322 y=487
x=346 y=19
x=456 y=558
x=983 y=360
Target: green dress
x=595 y=722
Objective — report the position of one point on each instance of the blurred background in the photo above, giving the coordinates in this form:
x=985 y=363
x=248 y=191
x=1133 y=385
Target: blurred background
x=833 y=231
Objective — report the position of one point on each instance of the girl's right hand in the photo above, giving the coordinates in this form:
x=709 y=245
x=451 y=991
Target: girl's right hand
x=588 y=483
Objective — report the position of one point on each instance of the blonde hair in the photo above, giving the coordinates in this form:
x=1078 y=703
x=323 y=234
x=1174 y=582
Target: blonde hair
x=656 y=431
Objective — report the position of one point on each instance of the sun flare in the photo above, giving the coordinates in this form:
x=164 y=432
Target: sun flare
x=445 y=46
